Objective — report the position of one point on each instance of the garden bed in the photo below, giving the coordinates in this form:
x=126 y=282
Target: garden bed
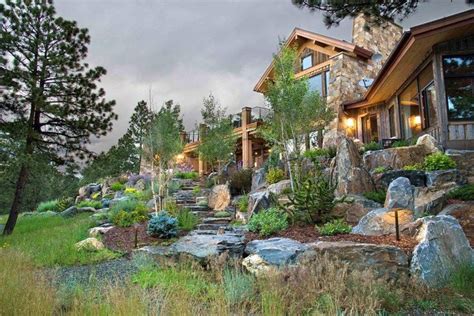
x=308 y=233
x=123 y=238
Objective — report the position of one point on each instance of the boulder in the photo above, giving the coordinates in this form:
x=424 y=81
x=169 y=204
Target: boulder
x=279 y=187
x=387 y=262
x=464 y=162
x=90 y=244
x=276 y=251
x=258 y=179
x=73 y=210
x=219 y=198
x=429 y=201
x=417 y=178
x=351 y=177
x=431 y=144
x=332 y=138
x=201 y=246
x=442 y=249
x=87 y=190
x=259 y=200
x=97 y=231
x=400 y=194
x=396 y=158
x=117 y=200
x=140 y=184
x=46 y=214
x=444 y=178
x=464 y=213
x=354 y=208
x=382 y=221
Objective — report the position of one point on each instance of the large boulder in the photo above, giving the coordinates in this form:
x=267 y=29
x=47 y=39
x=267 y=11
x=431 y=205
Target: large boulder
x=259 y=200
x=258 y=179
x=332 y=138
x=442 y=249
x=464 y=162
x=382 y=221
x=383 y=180
x=271 y=253
x=73 y=210
x=444 y=178
x=87 y=190
x=388 y=262
x=90 y=244
x=352 y=178
x=400 y=194
x=464 y=213
x=202 y=245
x=279 y=187
x=396 y=158
x=429 y=201
x=219 y=198
x=430 y=143
x=354 y=208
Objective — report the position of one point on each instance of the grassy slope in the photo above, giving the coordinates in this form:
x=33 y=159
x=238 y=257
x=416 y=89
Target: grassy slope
x=49 y=241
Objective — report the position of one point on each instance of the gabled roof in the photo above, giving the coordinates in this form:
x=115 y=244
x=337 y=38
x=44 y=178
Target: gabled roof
x=412 y=49
x=298 y=34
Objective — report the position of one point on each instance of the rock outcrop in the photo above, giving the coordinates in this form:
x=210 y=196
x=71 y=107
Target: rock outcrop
x=396 y=158
x=90 y=244
x=382 y=221
x=219 y=198
x=444 y=178
x=400 y=194
x=431 y=144
x=258 y=179
x=354 y=208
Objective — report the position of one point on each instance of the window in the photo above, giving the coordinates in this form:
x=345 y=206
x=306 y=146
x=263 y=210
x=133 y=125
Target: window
x=307 y=62
x=459 y=85
x=320 y=83
x=410 y=110
x=391 y=118
x=428 y=96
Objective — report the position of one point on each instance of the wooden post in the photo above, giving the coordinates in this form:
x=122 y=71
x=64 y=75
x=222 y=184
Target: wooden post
x=397 y=229
x=247 y=161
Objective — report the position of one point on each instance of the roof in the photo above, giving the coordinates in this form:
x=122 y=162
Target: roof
x=298 y=33
x=413 y=48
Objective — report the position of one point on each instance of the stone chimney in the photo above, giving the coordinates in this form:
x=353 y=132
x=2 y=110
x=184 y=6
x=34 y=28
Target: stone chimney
x=380 y=38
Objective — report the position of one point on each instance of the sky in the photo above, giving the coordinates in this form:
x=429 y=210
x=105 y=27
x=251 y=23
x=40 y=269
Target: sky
x=184 y=50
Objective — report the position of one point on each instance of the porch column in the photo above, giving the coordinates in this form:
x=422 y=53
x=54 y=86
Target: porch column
x=246 y=142
x=201 y=163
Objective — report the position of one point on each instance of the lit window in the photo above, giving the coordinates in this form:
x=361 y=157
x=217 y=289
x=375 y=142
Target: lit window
x=306 y=62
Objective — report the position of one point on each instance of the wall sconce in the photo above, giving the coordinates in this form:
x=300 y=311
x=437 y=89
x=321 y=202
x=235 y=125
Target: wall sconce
x=350 y=122
x=417 y=120
x=179 y=157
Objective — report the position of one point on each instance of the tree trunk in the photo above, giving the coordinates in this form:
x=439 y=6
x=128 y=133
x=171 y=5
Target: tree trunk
x=16 y=205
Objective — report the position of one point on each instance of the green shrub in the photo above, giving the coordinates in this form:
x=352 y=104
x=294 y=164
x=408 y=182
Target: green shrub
x=222 y=214
x=48 y=206
x=190 y=175
x=89 y=203
x=186 y=220
x=163 y=225
x=96 y=196
x=372 y=146
x=243 y=203
x=170 y=206
x=238 y=287
x=315 y=153
x=463 y=278
x=267 y=222
x=128 y=212
x=197 y=190
x=465 y=193
x=202 y=203
x=400 y=143
x=241 y=181
x=313 y=200
x=335 y=227
x=121 y=219
x=415 y=167
x=273 y=161
x=439 y=161
x=64 y=203
x=173 y=186
x=275 y=175
x=380 y=169
x=377 y=196
x=117 y=186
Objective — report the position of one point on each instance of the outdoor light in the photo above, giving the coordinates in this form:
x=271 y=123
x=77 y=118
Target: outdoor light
x=180 y=157
x=417 y=120
x=350 y=123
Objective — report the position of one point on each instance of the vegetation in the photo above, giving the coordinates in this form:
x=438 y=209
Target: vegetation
x=171 y=207
x=222 y=214
x=465 y=193
x=316 y=153
x=267 y=222
x=48 y=206
x=90 y=203
x=372 y=146
x=238 y=286
x=377 y=196
x=190 y=175
x=197 y=190
x=401 y=143
x=274 y=175
x=241 y=181
x=439 y=161
x=117 y=186
x=163 y=225
x=187 y=221
x=243 y=203
x=414 y=167
x=335 y=227
x=126 y=213
x=36 y=65
x=381 y=169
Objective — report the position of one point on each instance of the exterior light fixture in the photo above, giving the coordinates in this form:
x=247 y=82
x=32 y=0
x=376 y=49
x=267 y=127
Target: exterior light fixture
x=179 y=157
x=417 y=120
x=350 y=122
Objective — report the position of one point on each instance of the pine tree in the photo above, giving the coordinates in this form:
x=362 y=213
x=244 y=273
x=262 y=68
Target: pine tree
x=50 y=99
x=139 y=125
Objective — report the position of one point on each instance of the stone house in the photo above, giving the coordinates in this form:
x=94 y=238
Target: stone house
x=388 y=84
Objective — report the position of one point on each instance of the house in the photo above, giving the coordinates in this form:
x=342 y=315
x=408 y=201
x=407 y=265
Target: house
x=389 y=84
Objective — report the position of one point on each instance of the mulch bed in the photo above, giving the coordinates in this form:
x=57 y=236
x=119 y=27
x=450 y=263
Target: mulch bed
x=308 y=233
x=123 y=238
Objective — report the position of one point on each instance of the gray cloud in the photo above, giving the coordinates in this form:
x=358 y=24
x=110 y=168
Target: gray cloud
x=184 y=50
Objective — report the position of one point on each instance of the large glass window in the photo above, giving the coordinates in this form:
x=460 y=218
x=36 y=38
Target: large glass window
x=459 y=84
x=410 y=110
x=307 y=62
x=391 y=119
x=428 y=97
x=320 y=83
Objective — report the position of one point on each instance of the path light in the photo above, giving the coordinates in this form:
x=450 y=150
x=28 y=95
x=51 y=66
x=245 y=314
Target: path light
x=397 y=229
x=136 y=226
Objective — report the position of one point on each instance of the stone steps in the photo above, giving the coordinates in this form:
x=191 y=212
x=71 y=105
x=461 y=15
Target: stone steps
x=211 y=227
x=217 y=220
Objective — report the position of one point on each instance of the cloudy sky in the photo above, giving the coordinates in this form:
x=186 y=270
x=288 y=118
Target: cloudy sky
x=183 y=50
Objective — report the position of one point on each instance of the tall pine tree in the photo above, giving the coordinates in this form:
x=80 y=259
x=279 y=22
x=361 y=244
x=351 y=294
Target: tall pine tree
x=50 y=101
x=139 y=126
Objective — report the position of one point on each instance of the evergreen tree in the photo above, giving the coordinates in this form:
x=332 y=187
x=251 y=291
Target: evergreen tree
x=138 y=128
x=50 y=99
x=175 y=110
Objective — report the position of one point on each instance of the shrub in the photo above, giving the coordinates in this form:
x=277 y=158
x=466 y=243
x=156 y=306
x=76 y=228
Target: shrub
x=400 y=143
x=121 y=218
x=128 y=212
x=64 y=203
x=372 y=146
x=274 y=175
x=465 y=193
x=170 y=206
x=439 y=161
x=463 y=278
x=273 y=160
x=222 y=214
x=163 y=225
x=335 y=227
x=315 y=153
x=186 y=220
x=117 y=186
x=130 y=191
x=197 y=190
x=267 y=222
x=238 y=287
x=190 y=175
x=313 y=200
x=377 y=196
x=243 y=203
x=48 y=206
x=90 y=203
x=241 y=181
x=415 y=167
x=202 y=203
x=380 y=169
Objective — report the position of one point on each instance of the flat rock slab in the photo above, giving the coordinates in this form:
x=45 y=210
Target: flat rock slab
x=276 y=251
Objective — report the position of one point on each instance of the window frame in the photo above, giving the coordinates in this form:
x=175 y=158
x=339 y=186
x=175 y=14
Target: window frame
x=324 y=82
x=302 y=68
